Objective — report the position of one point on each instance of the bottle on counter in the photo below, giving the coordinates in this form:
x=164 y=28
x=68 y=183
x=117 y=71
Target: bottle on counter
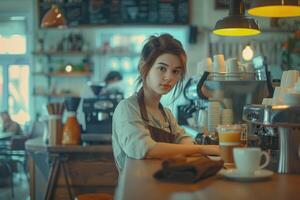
x=71 y=130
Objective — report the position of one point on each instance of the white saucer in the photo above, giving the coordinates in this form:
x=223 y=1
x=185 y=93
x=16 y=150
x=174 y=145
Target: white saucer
x=258 y=175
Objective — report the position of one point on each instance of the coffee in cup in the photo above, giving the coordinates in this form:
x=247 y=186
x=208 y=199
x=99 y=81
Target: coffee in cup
x=247 y=160
x=229 y=138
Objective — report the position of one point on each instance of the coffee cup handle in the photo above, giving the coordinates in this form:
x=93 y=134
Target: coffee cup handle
x=266 y=161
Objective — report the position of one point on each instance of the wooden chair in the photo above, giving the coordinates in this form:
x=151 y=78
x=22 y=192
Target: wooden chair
x=94 y=196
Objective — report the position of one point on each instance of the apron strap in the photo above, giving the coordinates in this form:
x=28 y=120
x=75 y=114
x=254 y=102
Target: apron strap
x=143 y=109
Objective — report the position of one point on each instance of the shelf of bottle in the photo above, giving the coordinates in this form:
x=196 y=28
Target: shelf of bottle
x=63 y=74
x=60 y=95
x=115 y=53
x=63 y=53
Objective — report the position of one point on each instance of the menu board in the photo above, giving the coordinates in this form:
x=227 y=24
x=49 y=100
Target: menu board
x=110 y=12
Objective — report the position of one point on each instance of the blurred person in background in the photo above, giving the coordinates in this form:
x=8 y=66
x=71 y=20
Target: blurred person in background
x=8 y=125
x=112 y=84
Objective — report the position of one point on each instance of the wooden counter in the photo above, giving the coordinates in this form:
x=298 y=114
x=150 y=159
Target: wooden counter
x=89 y=169
x=136 y=182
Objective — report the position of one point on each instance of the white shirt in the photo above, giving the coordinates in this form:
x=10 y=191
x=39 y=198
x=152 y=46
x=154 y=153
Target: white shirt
x=130 y=136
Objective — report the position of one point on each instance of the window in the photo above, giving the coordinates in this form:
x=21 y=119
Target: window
x=12 y=37
x=18 y=90
x=14 y=67
x=1 y=85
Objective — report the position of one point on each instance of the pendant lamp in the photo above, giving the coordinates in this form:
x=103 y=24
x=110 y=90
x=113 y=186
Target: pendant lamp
x=54 y=18
x=275 y=8
x=236 y=23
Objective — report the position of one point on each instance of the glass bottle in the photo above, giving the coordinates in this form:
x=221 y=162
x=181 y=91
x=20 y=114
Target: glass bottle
x=71 y=131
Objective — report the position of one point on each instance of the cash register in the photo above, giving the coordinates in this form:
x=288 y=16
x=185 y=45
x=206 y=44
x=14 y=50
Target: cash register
x=98 y=112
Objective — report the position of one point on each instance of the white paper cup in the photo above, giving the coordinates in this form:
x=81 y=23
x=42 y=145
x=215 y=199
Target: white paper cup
x=292 y=78
x=283 y=79
x=232 y=65
x=219 y=63
x=279 y=92
x=204 y=65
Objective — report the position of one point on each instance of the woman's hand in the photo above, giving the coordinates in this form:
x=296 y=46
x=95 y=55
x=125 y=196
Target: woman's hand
x=210 y=150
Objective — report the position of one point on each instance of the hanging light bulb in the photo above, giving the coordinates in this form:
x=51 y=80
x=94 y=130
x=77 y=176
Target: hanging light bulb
x=275 y=8
x=247 y=53
x=54 y=18
x=236 y=23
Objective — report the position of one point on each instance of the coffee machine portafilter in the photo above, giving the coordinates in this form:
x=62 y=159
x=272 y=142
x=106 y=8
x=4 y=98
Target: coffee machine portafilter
x=286 y=120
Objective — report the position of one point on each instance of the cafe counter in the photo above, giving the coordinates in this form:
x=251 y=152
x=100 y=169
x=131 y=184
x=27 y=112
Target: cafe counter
x=64 y=171
x=137 y=182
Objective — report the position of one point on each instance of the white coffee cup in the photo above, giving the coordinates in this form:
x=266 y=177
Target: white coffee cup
x=247 y=160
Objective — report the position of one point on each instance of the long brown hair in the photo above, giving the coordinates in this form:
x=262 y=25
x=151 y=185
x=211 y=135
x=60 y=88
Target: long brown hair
x=153 y=48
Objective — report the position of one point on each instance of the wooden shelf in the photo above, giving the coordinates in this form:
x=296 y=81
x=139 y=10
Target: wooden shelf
x=61 y=95
x=63 y=74
x=64 y=53
x=114 y=53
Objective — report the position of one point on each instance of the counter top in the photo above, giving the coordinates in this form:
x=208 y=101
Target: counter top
x=37 y=144
x=137 y=182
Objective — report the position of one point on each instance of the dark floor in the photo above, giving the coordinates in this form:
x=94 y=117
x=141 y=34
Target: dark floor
x=21 y=188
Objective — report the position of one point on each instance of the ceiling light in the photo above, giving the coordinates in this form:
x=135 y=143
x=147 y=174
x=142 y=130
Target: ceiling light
x=275 y=8
x=54 y=18
x=236 y=23
x=247 y=53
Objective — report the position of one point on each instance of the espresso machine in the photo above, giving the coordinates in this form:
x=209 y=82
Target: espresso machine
x=278 y=127
x=98 y=114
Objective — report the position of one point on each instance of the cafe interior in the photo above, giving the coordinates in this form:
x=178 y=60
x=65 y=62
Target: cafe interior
x=241 y=92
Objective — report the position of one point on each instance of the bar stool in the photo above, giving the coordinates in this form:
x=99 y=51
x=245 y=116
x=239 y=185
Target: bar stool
x=94 y=196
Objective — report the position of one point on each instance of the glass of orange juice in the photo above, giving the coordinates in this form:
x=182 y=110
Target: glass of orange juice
x=229 y=138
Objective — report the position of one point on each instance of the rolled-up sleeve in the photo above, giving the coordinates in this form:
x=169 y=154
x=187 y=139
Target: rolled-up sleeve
x=134 y=138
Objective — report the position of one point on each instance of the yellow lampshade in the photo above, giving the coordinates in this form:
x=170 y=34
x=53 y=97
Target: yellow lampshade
x=275 y=8
x=236 y=23
x=236 y=32
x=54 y=18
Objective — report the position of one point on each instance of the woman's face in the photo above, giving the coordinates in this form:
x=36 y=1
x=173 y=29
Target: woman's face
x=164 y=74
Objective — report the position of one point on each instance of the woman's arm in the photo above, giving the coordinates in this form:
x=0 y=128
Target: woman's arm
x=165 y=150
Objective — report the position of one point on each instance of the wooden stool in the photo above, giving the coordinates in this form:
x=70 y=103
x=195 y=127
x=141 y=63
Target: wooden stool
x=94 y=196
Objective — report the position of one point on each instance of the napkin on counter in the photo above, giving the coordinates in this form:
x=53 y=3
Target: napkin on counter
x=181 y=169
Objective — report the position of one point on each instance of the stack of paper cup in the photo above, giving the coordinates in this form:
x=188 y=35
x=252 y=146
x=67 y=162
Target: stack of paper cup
x=297 y=86
x=227 y=116
x=283 y=79
x=292 y=78
x=232 y=65
x=219 y=64
x=279 y=92
x=214 y=115
x=289 y=78
x=204 y=65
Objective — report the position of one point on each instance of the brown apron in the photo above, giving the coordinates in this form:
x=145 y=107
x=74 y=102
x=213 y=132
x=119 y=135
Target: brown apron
x=157 y=134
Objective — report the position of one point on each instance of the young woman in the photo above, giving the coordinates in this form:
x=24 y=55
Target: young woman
x=142 y=127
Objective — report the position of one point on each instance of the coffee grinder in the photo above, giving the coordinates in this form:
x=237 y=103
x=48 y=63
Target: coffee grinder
x=98 y=112
x=71 y=130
